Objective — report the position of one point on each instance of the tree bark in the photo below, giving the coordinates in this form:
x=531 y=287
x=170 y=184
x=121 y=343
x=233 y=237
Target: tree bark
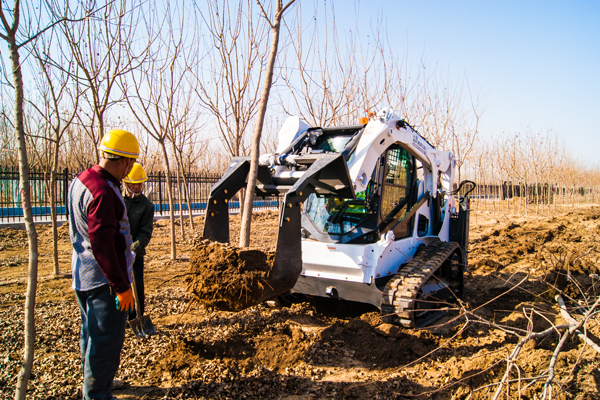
x=29 y=331
x=186 y=192
x=262 y=109
x=54 y=223
x=180 y=202
x=170 y=196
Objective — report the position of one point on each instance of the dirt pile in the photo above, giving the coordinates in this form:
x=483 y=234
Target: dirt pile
x=540 y=243
x=382 y=346
x=562 y=250
x=227 y=278
x=277 y=351
x=12 y=238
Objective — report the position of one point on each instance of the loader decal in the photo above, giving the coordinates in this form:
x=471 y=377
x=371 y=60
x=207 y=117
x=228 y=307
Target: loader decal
x=419 y=145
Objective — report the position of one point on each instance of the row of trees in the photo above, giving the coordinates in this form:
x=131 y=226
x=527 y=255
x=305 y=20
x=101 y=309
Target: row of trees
x=531 y=172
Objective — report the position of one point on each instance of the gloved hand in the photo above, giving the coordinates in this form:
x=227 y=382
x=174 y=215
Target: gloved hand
x=135 y=246
x=125 y=301
x=266 y=159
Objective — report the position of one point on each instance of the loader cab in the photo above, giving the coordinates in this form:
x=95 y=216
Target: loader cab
x=398 y=192
x=376 y=210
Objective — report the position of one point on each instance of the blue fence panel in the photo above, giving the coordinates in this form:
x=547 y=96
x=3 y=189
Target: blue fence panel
x=197 y=191
x=257 y=205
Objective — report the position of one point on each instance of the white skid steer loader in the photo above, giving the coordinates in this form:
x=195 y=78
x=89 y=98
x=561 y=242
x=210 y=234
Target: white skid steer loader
x=370 y=214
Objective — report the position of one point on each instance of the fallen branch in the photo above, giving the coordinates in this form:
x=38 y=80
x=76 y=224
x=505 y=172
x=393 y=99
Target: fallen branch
x=573 y=322
x=519 y=346
x=557 y=350
x=574 y=325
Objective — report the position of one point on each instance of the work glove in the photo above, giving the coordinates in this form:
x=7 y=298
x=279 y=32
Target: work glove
x=125 y=301
x=135 y=246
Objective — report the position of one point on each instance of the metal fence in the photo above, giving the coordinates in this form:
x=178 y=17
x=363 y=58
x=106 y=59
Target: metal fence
x=156 y=190
x=541 y=192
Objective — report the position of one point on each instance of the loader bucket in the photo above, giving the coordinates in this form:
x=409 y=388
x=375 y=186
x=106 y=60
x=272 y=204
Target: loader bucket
x=326 y=174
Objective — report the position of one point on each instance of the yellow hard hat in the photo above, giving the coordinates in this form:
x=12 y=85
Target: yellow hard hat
x=120 y=143
x=137 y=174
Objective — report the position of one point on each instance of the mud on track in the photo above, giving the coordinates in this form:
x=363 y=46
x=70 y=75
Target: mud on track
x=326 y=349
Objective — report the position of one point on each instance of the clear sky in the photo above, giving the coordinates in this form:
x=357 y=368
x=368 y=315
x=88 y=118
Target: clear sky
x=535 y=63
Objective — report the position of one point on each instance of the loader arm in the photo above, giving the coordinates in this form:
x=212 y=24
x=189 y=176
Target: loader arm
x=386 y=129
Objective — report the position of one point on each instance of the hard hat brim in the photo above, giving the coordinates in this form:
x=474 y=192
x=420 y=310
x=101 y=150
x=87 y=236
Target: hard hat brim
x=136 y=181
x=119 y=152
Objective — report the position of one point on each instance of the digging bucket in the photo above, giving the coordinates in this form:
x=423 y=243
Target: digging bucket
x=325 y=174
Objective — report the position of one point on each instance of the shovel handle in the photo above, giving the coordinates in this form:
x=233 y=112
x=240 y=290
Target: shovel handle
x=137 y=300
x=138 y=309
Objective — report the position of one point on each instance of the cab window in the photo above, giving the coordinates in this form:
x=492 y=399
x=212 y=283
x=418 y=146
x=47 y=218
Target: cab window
x=397 y=184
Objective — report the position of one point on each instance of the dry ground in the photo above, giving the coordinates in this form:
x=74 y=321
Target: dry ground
x=326 y=349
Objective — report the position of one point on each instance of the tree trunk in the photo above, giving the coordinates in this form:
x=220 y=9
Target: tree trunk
x=537 y=198
x=29 y=331
x=186 y=188
x=100 y=135
x=54 y=224
x=180 y=202
x=262 y=109
x=512 y=190
x=187 y=197
x=170 y=196
x=53 y=216
x=526 y=197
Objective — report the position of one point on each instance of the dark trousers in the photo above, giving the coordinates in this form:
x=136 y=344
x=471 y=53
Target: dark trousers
x=102 y=337
x=138 y=273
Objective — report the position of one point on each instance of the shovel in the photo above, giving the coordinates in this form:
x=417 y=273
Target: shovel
x=141 y=325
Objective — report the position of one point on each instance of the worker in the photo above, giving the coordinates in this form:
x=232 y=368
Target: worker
x=102 y=260
x=140 y=212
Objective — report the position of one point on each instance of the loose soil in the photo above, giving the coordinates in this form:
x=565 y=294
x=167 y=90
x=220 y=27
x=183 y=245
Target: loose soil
x=320 y=348
x=228 y=278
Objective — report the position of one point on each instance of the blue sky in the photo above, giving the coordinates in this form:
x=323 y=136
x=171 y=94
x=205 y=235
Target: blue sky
x=535 y=63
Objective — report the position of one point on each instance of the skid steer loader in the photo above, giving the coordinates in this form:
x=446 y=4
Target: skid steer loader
x=370 y=214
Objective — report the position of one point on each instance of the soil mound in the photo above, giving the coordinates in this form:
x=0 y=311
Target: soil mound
x=383 y=346
x=542 y=245
x=227 y=278
x=13 y=238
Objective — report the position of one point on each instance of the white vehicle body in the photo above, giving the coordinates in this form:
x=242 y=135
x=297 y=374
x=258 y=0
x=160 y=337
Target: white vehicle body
x=367 y=209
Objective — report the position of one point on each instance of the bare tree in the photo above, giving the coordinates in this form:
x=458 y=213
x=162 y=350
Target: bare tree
x=8 y=151
x=335 y=81
x=104 y=49
x=226 y=82
x=537 y=149
x=17 y=34
x=182 y=138
x=446 y=113
x=80 y=157
x=58 y=107
x=150 y=156
x=275 y=25
x=156 y=93
x=464 y=127
x=318 y=74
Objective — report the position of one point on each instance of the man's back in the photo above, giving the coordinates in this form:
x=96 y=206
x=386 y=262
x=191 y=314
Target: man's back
x=99 y=232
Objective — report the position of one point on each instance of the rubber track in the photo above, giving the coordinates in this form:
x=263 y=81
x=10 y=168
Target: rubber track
x=401 y=291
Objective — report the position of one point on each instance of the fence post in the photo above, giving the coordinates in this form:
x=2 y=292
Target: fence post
x=66 y=191
x=2 y=178
x=160 y=205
